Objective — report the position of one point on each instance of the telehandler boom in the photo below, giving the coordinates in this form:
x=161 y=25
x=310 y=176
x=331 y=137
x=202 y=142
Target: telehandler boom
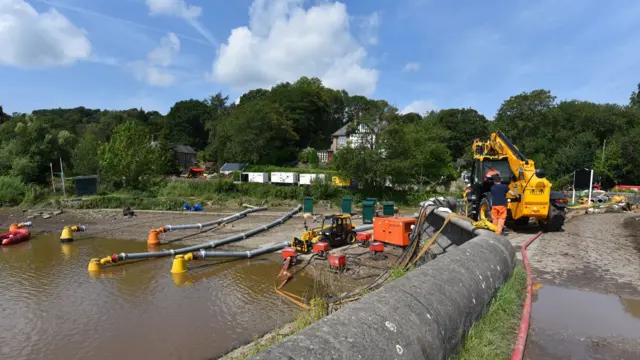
x=533 y=196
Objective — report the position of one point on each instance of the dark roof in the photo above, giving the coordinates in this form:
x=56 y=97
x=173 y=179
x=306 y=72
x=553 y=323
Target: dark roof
x=233 y=167
x=85 y=177
x=342 y=131
x=184 y=149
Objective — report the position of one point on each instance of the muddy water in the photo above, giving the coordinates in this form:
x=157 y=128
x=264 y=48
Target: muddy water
x=50 y=308
x=575 y=324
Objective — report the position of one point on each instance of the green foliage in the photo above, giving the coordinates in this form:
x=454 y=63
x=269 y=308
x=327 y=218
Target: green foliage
x=128 y=160
x=494 y=335
x=12 y=190
x=310 y=156
x=323 y=190
x=401 y=157
x=463 y=126
x=258 y=132
x=119 y=201
x=187 y=123
x=85 y=154
x=397 y=272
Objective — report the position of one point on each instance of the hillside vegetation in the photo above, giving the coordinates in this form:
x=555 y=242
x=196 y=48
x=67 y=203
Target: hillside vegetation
x=276 y=127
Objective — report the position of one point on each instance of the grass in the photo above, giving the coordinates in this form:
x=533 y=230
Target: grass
x=397 y=272
x=494 y=335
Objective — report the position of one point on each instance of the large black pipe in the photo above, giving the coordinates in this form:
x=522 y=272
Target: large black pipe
x=422 y=315
x=203 y=254
x=227 y=219
x=212 y=244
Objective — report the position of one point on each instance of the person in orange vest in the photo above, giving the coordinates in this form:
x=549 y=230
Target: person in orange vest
x=499 y=193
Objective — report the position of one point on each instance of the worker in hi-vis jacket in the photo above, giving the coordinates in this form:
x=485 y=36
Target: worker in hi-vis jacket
x=499 y=193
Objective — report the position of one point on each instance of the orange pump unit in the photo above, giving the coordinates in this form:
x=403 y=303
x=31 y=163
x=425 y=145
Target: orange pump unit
x=393 y=230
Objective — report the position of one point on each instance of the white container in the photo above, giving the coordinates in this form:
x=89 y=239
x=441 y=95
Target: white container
x=308 y=179
x=257 y=177
x=284 y=178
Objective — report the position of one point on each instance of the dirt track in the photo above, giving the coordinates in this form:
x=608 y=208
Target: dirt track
x=589 y=304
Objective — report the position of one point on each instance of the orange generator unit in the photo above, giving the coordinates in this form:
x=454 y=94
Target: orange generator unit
x=392 y=230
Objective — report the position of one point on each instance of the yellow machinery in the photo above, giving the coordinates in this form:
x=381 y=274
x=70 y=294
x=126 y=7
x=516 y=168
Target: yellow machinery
x=340 y=181
x=336 y=230
x=533 y=196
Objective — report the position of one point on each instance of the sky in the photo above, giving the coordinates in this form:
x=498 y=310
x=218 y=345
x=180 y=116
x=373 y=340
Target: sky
x=419 y=55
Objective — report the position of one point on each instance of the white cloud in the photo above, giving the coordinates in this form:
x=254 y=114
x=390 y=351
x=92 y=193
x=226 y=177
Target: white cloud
x=419 y=106
x=284 y=42
x=174 y=7
x=411 y=66
x=164 y=54
x=369 y=26
x=156 y=69
x=32 y=39
x=181 y=9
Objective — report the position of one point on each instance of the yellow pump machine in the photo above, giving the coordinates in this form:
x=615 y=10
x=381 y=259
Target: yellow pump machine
x=533 y=196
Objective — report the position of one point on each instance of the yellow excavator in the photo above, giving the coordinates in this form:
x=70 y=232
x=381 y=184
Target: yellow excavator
x=533 y=196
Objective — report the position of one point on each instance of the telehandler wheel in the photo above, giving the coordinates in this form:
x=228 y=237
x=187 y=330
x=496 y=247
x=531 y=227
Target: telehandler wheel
x=555 y=222
x=351 y=238
x=485 y=210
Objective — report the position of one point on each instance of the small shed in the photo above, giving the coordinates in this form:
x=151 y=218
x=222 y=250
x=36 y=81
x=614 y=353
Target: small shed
x=229 y=168
x=185 y=156
x=86 y=185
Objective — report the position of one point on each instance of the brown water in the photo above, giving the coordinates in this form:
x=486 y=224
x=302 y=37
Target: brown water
x=50 y=308
x=575 y=324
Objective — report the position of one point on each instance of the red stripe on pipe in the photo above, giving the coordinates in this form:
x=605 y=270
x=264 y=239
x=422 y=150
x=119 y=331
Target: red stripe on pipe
x=518 y=352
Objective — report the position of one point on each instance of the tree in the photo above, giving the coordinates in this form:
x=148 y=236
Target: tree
x=85 y=155
x=463 y=125
x=634 y=99
x=128 y=160
x=186 y=121
x=257 y=132
x=417 y=154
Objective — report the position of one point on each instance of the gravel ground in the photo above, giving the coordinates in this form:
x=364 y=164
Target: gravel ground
x=595 y=254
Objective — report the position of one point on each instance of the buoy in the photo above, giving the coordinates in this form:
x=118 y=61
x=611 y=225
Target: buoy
x=153 y=239
x=67 y=232
x=179 y=265
x=16 y=226
x=94 y=265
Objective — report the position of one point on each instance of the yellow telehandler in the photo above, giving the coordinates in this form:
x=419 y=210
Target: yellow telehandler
x=533 y=196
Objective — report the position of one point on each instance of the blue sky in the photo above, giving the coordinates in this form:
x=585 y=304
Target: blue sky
x=417 y=54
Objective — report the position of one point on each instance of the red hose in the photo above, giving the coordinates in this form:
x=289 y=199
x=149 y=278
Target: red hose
x=518 y=352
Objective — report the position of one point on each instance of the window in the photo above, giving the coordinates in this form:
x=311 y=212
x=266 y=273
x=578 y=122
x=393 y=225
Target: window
x=342 y=142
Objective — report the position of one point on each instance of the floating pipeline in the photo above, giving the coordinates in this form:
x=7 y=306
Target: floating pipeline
x=155 y=240
x=96 y=263
x=179 y=263
x=423 y=315
x=18 y=232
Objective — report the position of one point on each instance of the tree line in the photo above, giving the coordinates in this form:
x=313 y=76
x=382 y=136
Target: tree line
x=129 y=149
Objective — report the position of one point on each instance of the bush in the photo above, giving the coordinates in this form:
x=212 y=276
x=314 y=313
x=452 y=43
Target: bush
x=140 y=203
x=12 y=190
